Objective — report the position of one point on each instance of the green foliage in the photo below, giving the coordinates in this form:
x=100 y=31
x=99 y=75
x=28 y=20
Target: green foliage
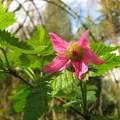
x=104 y=52
x=91 y=93
x=6 y=19
x=28 y=58
x=6 y=39
x=91 y=96
x=37 y=100
x=2 y=65
x=70 y=96
x=41 y=42
x=112 y=61
x=66 y=79
x=71 y=103
x=19 y=99
x=91 y=87
x=101 y=49
x=31 y=61
x=21 y=51
x=33 y=101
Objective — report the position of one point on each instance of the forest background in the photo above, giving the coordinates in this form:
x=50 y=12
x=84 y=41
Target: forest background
x=70 y=21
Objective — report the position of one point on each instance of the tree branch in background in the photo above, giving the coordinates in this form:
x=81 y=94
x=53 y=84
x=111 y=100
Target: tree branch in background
x=42 y=23
x=71 y=13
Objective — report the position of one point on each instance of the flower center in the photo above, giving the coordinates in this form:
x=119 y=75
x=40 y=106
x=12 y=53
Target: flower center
x=75 y=52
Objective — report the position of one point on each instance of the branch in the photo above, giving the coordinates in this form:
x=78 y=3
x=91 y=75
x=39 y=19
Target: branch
x=72 y=108
x=38 y=11
x=73 y=14
x=15 y=74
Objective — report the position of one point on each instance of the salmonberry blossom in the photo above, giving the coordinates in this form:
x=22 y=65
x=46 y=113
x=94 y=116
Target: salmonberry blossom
x=76 y=54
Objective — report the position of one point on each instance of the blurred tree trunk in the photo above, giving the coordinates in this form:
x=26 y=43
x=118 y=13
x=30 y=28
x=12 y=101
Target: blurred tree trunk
x=110 y=10
x=111 y=23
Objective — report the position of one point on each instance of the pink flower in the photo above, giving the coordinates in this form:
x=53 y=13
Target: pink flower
x=76 y=54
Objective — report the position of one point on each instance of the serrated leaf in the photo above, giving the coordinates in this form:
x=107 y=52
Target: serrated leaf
x=13 y=42
x=19 y=99
x=6 y=19
x=100 y=49
x=37 y=100
x=45 y=48
x=40 y=41
x=65 y=80
x=91 y=96
x=112 y=61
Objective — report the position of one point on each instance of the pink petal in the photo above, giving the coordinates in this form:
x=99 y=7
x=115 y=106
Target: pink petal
x=90 y=56
x=59 y=63
x=80 y=68
x=83 y=41
x=59 y=44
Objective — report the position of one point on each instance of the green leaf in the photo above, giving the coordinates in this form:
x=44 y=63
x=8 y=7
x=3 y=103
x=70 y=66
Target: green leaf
x=14 y=43
x=100 y=49
x=27 y=60
x=105 y=118
x=6 y=19
x=37 y=100
x=19 y=99
x=41 y=43
x=13 y=59
x=66 y=80
x=91 y=96
x=34 y=61
x=69 y=104
x=31 y=73
x=71 y=96
x=91 y=87
x=112 y=61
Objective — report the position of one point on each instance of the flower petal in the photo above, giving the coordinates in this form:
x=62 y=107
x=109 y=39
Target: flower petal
x=59 y=63
x=83 y=41
x=80 y=68
x=59 y=44
x=90 y=56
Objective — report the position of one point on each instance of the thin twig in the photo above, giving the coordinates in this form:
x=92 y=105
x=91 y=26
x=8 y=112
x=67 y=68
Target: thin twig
x=92 y=107
x=64 y=102
x=5 y=57
x=38 y=11
x=15 y=74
